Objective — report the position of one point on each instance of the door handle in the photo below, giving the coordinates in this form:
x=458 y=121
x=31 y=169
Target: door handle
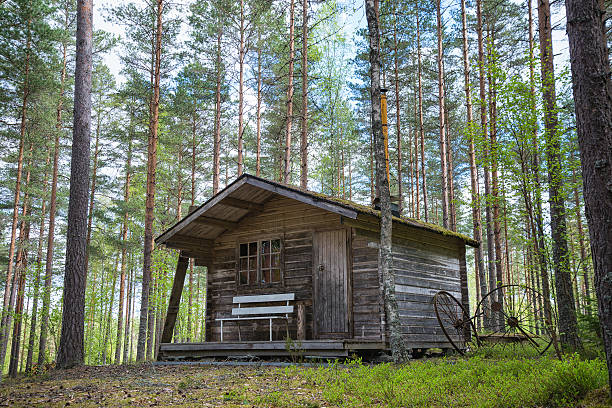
x=321 y=267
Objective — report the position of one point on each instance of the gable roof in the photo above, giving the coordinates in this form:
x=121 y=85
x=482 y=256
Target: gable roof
x=248 y=193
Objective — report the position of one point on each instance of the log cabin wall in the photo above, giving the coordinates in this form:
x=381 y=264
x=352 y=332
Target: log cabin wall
x=424 y=263
x=368 y=309
x=294 y=223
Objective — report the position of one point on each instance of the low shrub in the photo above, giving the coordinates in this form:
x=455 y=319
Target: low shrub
x=473 y=382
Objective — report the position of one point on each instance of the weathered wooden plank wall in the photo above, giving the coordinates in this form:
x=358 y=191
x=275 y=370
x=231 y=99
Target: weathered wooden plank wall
x=368 y=312
x=421 y=271
x=294 y=223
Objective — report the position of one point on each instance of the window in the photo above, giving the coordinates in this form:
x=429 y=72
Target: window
x=259 y=263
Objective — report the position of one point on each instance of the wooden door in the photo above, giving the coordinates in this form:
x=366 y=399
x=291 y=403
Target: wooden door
x=331 y=284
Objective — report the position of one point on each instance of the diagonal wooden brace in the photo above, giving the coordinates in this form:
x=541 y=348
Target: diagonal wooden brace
x=175 y=298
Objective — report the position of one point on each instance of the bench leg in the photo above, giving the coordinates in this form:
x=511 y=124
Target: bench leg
x=221 y=331
x=270 y=329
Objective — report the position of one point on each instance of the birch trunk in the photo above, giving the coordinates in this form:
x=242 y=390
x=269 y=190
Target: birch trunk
x=398 y=348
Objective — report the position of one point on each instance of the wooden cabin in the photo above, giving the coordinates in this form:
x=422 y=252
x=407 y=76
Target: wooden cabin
x=287 y=263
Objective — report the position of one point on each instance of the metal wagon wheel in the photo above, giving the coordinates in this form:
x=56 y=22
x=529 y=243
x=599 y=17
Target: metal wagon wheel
x=454 y=320
x=514 y=315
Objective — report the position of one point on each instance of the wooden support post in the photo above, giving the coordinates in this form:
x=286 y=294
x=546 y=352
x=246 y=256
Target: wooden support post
x=175 y=298
x=301 y=321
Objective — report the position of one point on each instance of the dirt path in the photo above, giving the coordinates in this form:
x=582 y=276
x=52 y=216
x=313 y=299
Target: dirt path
x=150 y=386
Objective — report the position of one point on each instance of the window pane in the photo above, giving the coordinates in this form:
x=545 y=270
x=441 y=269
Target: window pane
x=253 y=277
x=276 y=275
x=276 y=245
x=243 y=277
x=243 y=250
x=253 y=262
x=244 y=264
x=252 y=248
x=265 y=261
x=265 y=276
x=265 y=247
x=276 y=260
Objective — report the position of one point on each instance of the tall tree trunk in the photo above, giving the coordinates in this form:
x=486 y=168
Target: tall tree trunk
x=563 y=282
x=398 y=128
x=487 y=183
x=217 y=141
x=92 y=192
x=241 y=54
x=538 y=222
x=304 y=141
x=398 y=348
x=109 y=313
x=416 y=158
x=71 y=347
x=421 y=131
x=493 y=162
x=128 y=321
x=124 y=236
x=20 y=273
x=6 y=305
x=149 y=353
x=592 y=89
x=441 y=106
x=372 y=182
x=287 y=168
x=44 y=324
x=475 y=196
x=452 y=215
x=150 y=199
x=259 y=83
x=22 y=259
x=41 y=234
x=584 y=257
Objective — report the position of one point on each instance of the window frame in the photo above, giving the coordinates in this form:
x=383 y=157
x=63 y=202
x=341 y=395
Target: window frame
x=259 y=262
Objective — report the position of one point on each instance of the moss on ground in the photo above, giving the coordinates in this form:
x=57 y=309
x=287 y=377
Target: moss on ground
x=474 y=382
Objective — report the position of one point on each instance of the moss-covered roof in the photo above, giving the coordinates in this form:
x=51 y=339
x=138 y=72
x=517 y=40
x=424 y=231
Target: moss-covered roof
x=340 y=206
x=364 y=209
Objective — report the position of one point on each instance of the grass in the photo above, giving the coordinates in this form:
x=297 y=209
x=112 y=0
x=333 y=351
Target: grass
x=474 y=382
x=477 y=381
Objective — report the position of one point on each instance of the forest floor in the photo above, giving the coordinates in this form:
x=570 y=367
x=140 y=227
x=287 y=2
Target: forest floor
x=457 y=382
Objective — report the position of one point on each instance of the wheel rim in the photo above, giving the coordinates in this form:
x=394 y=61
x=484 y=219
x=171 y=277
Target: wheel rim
x=453 y=319
x=514 y=314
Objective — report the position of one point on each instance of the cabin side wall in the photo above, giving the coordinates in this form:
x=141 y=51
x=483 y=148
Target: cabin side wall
x=293 y=222
x=424 y=264
x=368 y=309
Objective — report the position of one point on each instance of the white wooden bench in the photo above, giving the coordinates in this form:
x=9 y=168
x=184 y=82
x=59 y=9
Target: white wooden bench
x=241 y=313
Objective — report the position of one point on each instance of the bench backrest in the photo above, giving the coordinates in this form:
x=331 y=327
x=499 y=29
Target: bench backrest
x=260 y=310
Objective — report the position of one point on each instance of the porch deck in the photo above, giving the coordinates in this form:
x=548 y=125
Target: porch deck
x=304 y=348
